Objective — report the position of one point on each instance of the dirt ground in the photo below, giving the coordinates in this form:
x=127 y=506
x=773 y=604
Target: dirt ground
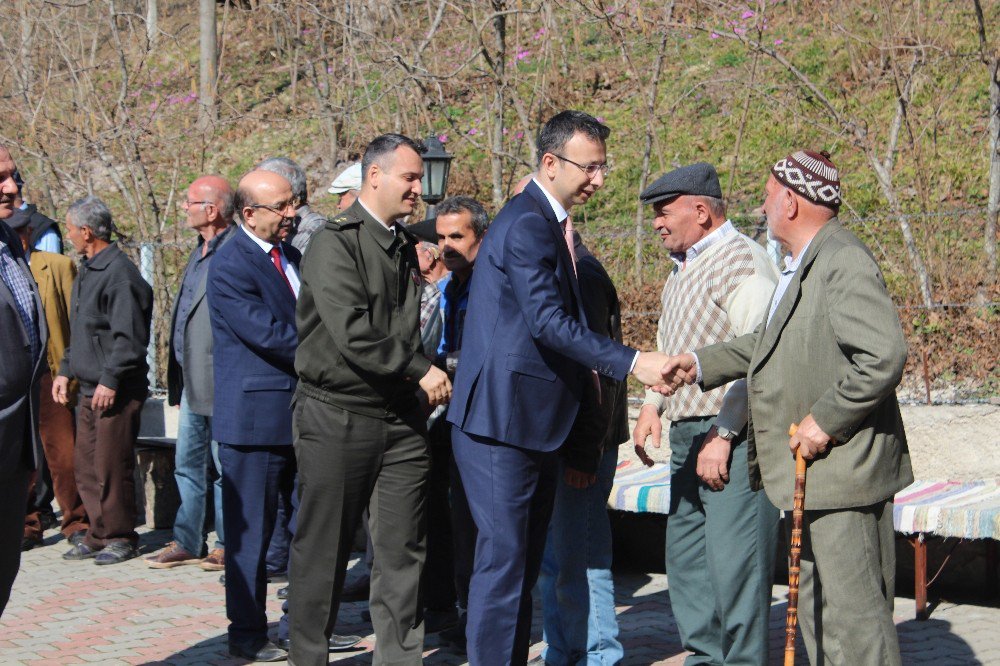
x=947 y=442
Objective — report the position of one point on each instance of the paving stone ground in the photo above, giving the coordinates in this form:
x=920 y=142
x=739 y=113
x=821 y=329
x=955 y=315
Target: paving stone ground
x=78 y=613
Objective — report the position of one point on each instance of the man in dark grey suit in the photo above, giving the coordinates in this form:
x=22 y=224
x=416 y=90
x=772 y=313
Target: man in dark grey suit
x=22 y=342
x=209 y=208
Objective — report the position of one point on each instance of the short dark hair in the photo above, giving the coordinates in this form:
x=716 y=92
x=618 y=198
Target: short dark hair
x=480 y=218
x=561 y=127
x=382 y=147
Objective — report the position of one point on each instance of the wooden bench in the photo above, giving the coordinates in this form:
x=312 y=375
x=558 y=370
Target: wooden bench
x=951 y=509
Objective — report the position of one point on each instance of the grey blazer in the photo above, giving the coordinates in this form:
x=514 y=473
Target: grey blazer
x=835 y=349
x=194 y=374
x=19 y=377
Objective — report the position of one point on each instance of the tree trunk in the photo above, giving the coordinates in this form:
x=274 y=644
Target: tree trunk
x=499 y=58
x=208 y=63
x=993 y=206
x=152 y=22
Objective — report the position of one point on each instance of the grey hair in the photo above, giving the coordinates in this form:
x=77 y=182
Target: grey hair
x=93 y=213
x=290 y=171
x=480 y=218
x=715 y=205
x=381 y=147
x=432 y=248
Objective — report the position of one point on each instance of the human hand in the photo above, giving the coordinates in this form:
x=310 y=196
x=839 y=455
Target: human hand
x=677 y=371
x=647 y=425
x=713 y=460
x=103 y=399
x=60 y=390
x=647 y=368
x=436 y=385
x=810 y=437
x=580 y=480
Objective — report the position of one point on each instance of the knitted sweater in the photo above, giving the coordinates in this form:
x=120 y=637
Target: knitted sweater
x=721 y=293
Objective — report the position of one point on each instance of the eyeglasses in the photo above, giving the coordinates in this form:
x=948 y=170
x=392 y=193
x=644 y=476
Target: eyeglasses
x=589 y=169
x=277 y=208
x=187 y=204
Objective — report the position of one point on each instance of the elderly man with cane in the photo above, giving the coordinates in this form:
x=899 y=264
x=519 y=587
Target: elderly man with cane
x=828 y=358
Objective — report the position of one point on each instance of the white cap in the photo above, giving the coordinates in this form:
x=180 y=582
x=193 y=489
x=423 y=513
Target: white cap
x=348 y=179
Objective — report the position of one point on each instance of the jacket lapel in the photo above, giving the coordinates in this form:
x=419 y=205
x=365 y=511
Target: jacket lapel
x=566 y=265
x=790 y=298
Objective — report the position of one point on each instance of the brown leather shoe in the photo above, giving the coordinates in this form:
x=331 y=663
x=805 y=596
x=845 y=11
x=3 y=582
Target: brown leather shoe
x=171 y=556
x=216 y=560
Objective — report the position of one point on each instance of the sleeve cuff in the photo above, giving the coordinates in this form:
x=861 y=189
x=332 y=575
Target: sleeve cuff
x=697 y=366
x=417 y=367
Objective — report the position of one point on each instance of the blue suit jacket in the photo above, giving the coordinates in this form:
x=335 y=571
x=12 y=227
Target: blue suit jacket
x=526 y=349
x=254 y=339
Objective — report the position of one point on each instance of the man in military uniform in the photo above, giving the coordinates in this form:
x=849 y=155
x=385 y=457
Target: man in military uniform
x=360 y=365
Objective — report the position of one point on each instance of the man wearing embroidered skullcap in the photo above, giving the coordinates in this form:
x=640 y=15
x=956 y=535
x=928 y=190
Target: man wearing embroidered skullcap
x=723 y=536
x=828 y=358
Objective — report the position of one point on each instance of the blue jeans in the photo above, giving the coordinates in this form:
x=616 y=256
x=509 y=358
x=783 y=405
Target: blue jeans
x=191 y=460
x=578 y=596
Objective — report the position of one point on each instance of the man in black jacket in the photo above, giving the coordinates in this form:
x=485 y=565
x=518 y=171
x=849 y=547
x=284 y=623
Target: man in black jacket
x=45 y=234
x=112 y=307
x=575 y=581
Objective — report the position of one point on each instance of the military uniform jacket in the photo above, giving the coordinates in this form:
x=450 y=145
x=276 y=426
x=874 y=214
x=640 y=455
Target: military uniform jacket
x=834 y=348
x=358 y=317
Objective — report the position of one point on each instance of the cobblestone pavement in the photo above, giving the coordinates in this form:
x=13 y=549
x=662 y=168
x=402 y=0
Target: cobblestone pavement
x=78 y=613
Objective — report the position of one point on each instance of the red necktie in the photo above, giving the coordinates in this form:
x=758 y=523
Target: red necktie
x=276 y=260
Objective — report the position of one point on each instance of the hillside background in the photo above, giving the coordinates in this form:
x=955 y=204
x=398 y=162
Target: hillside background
x=120 y=98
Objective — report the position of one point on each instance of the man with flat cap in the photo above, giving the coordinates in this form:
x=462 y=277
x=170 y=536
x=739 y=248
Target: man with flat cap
x=722 y=535
x=828 y=357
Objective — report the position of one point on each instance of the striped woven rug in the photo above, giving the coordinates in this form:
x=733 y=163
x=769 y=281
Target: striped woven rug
x=968 y=510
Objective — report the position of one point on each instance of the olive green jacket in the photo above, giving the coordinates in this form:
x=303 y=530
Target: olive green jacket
x=358 y=316
x=834 y=349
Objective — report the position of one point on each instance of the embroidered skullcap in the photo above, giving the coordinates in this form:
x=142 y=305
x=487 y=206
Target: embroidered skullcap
x=811 y=175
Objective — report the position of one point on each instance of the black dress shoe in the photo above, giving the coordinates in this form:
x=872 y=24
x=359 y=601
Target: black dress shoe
x=337 y=643
x=266 y=652
x=283 y=592
x=277 y=576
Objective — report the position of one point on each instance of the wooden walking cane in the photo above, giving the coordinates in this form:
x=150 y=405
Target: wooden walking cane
x=798 y=503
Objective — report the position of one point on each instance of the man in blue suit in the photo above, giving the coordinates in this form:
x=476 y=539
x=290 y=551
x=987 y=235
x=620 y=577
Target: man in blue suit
x=253 y=283
x=526 y=356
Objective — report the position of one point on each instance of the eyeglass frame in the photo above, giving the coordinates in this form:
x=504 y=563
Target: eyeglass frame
x=277 y=208
x=604 y=169
x=187 y=204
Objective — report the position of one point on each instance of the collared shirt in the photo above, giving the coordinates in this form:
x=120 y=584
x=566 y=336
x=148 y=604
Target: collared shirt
x=20 y=286
x=391 y=228
x=290 y=272
x=455 y=303
x=557 y=208
x=720 y=234
x=195 y=272
x=785 y=279
x=561 y=215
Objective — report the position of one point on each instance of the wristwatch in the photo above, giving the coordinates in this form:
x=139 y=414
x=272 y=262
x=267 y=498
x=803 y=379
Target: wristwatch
x=726 y=433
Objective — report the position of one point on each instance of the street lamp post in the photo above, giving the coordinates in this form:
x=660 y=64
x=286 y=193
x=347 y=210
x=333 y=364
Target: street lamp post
x=437 y=165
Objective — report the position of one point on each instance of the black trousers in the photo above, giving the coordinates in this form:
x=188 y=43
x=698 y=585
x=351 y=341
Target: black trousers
x=346 y=462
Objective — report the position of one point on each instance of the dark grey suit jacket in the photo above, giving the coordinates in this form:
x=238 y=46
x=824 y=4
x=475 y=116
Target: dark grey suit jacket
x=194 y=373
x=19 y=377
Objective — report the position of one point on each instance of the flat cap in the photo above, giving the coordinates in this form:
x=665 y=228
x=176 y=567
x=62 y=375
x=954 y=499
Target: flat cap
x=699 y=179
x=348 y=179
x=425 y=231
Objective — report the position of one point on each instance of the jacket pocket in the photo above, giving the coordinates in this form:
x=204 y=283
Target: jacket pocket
x=267 y=383
x=529 y=366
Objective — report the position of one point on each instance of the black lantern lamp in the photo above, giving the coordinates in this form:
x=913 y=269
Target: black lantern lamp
x=437 y=164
